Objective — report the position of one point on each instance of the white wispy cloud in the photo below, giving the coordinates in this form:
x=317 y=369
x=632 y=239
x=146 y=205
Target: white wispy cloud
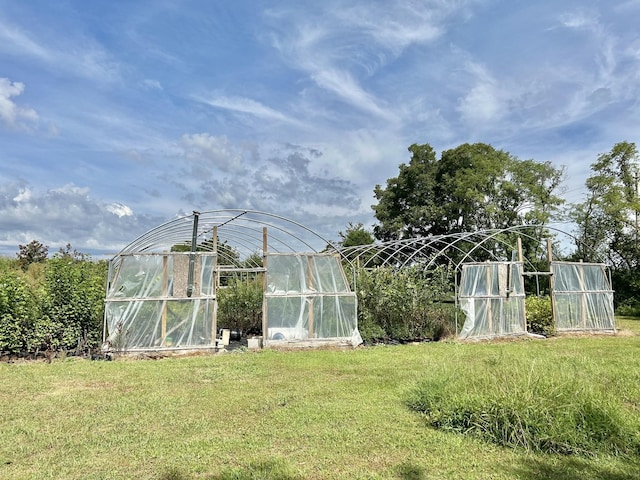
x=11 y=114
x=245 y=105
x=72 y=52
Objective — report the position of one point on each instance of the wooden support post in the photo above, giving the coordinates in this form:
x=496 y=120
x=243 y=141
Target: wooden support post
x=583 y=298
x=216 y=284
x=310 y=288
x=490 y=297
x=265 y=283
x=520 y=256
x=165 y=293
x=551 y=281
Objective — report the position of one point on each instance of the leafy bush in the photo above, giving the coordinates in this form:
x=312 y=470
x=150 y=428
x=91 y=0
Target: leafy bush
x=18 y=313
x=73 y=303
x=539 y=315
x=404 y=304
x=541 y=407
x=240 y=305
x=630 y=308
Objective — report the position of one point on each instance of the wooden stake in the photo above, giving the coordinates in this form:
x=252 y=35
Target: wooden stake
x=520 y=256
x=490 y=297
x=583 y=298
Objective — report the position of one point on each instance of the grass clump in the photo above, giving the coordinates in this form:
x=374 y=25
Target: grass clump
x=539 y=407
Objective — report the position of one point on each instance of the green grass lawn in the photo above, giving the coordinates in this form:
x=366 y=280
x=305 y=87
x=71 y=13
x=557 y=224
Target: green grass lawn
x=298 y=414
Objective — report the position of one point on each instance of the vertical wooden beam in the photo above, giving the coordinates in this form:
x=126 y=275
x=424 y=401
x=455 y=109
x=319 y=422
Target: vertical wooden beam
x=216 y=284
x=265 y=282
x=583 y=298
x=310 y=287
x=165 y=293
x=521 y=279
x=552 y=282
x=490 y=296
x=520 y=256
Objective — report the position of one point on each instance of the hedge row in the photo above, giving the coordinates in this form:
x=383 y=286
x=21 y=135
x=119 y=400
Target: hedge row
x=52 y=306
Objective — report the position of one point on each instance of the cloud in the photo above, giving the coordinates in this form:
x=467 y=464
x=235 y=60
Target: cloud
x=484 y=102
x=11 y=114
x=204 y=151
x=74 y=52
x=246 y=105
x=152 y=84
x=66 y=214
x=278 y=179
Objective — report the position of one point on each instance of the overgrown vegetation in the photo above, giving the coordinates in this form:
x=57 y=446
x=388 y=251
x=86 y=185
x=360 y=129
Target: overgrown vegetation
x=539 y=315
x=542 y=405
x=240 y=305
x=405 y=304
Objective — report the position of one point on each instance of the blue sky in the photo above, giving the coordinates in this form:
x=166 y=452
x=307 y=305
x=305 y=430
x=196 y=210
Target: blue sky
x=118 y=115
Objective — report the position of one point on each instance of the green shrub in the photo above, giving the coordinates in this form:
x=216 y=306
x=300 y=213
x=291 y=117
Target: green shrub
x=18 y=313
x=73 y=304
x=240 y=305
x=630 y=308
x=404 y=304
x=539 y=316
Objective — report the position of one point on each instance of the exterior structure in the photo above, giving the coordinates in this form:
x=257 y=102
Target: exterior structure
x=162 y=290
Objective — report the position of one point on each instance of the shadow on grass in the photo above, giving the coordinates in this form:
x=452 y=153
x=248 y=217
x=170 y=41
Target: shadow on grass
x=278 y=470
x=267 y=470
x=567 y=468
x=407 y=471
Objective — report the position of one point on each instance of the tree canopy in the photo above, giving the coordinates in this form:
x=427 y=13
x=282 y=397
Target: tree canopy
x=471 y=187
x=607 y=221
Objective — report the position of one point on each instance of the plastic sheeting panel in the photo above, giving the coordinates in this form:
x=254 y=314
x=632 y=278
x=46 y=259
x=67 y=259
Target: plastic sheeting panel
x=147 y=306
x=492 y=297
x=308 y=298
x=582 y=297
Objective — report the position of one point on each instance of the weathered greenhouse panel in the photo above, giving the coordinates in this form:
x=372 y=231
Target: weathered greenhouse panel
x=492 y=297
x=148 y=304
x=307 y=298
x=582 y=297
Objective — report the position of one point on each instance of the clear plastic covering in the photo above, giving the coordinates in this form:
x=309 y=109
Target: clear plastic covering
x=148 y=306
x=492 y=297
x=168 y=300
x=582 y=297
x=308 y=298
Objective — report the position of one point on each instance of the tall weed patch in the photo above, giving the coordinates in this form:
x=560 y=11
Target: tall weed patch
x=538 y=406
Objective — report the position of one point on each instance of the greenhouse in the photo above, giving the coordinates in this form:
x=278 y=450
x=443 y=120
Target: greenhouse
x=489 y=271
x=183 y=284
x=163 y=289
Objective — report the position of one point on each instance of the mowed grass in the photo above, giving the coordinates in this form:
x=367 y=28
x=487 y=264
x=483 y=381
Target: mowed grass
x=297 y=414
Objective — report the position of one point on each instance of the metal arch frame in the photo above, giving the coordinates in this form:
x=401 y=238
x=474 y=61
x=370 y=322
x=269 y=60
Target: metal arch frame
x=178 y=230
x=395 y=253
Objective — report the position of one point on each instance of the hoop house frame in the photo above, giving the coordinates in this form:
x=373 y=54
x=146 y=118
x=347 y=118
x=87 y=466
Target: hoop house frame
x=162 y=289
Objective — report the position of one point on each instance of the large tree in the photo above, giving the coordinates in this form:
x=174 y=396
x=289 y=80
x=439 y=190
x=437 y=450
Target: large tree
x=607 y=221
x=471 y=187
